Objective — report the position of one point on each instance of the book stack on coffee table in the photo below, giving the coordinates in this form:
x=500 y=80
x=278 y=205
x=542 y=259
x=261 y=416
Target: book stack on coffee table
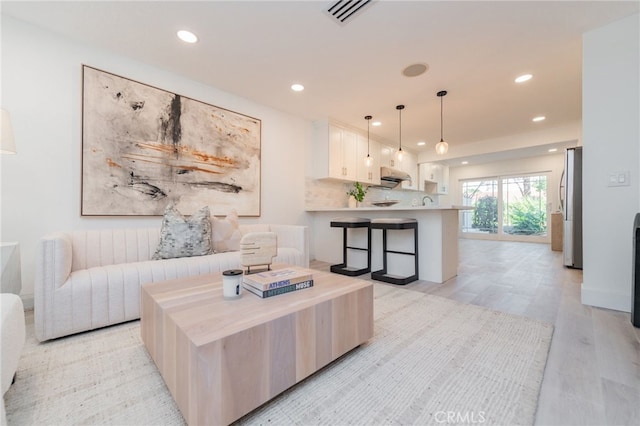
x=278 y=281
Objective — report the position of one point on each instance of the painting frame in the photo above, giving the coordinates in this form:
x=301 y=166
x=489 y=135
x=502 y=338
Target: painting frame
x=144 y=148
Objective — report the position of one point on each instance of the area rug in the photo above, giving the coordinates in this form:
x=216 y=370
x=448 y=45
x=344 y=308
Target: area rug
x=431 y=361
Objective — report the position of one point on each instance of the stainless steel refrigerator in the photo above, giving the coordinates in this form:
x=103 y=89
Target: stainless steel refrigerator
x=571 y=202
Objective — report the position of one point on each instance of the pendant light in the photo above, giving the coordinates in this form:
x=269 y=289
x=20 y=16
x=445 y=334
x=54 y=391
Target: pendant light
x=441 y=147
x=400 y=154
x=368 y=160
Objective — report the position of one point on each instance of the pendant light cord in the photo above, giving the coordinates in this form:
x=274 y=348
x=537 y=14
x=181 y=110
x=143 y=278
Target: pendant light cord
x=441 y=121
x=368 y=118
x=441 y=94
x=400 y=108
x=368 y=134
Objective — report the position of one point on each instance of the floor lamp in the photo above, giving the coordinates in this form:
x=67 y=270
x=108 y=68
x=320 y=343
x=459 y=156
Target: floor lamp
x=10 y=277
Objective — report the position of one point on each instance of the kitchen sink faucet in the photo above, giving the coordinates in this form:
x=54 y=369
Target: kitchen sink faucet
x=430 y=199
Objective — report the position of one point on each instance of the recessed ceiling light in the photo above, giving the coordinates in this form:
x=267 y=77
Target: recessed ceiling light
x=421 y=143
x=297 y=87
x=187 y=36
x=376 y=123
x=553 y=149
x=523 y=78
x=464 y=162
x=538 y=118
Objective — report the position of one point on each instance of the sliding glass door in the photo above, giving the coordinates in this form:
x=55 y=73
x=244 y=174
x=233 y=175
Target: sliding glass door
x=507 y=207
x=524 y=206
x=482 y=195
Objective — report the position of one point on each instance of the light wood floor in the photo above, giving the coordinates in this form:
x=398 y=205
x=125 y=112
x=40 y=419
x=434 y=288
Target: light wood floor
x=592 y=375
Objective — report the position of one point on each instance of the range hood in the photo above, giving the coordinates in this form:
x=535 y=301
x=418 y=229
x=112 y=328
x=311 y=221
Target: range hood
x=390 y=177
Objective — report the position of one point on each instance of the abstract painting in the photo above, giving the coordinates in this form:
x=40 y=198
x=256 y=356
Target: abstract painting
x=144 y=148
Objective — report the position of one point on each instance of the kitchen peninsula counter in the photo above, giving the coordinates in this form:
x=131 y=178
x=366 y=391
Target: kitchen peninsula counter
x=355 y=210
x=437 y=239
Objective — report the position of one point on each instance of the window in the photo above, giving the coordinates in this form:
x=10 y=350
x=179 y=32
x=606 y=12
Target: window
x=513 y=207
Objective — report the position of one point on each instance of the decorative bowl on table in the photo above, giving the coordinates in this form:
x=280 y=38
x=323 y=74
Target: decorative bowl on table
x=385 y=203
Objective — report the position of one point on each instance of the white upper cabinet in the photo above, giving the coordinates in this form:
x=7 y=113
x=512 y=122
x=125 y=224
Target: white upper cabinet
x=343 y=151
x=371 y=174
x=434 y=178
x=335 y=152
x=339 y=153
x=387 y=156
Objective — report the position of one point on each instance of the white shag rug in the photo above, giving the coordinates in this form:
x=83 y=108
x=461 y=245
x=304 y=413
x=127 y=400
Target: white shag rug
x=431 y=361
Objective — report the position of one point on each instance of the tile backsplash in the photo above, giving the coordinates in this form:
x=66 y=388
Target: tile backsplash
x=324 y=193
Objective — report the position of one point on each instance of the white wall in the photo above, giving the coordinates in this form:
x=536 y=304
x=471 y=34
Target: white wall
x=611 y=138
x=41 y=87
x=552 y=163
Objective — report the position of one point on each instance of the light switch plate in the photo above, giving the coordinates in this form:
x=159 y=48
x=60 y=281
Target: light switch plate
x=618 y=178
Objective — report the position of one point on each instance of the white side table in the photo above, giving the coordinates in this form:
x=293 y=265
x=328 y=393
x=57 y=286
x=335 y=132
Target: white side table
x=10 y=278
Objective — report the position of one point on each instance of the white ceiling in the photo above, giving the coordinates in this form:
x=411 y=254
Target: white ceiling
x=257 y=49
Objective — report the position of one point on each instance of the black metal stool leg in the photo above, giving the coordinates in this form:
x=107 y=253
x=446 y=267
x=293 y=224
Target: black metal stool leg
x=345 y=223
x=384 y=250
x=369 y=249
x=344 y=246
x=415 y=250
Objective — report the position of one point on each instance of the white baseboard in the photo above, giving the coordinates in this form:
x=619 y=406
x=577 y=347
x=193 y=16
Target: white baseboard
x=604 y=299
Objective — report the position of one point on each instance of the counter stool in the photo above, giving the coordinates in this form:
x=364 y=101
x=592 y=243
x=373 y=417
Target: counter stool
x=352 y=222
x=391 y=224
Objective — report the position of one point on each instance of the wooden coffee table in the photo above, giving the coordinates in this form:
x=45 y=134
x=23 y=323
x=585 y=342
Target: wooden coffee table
x=222 y=358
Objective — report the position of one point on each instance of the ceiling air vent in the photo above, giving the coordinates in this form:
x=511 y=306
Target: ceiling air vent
x=342 y=10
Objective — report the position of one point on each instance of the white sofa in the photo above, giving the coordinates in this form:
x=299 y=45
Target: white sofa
x=12 y=338
x=90 y=279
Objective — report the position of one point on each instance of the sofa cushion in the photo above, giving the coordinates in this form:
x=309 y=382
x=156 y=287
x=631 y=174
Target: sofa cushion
x=226 y=233
x=184 y=237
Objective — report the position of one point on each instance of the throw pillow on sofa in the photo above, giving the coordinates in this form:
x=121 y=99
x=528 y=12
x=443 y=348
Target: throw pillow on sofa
x=226 y=233
x=184 y=237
